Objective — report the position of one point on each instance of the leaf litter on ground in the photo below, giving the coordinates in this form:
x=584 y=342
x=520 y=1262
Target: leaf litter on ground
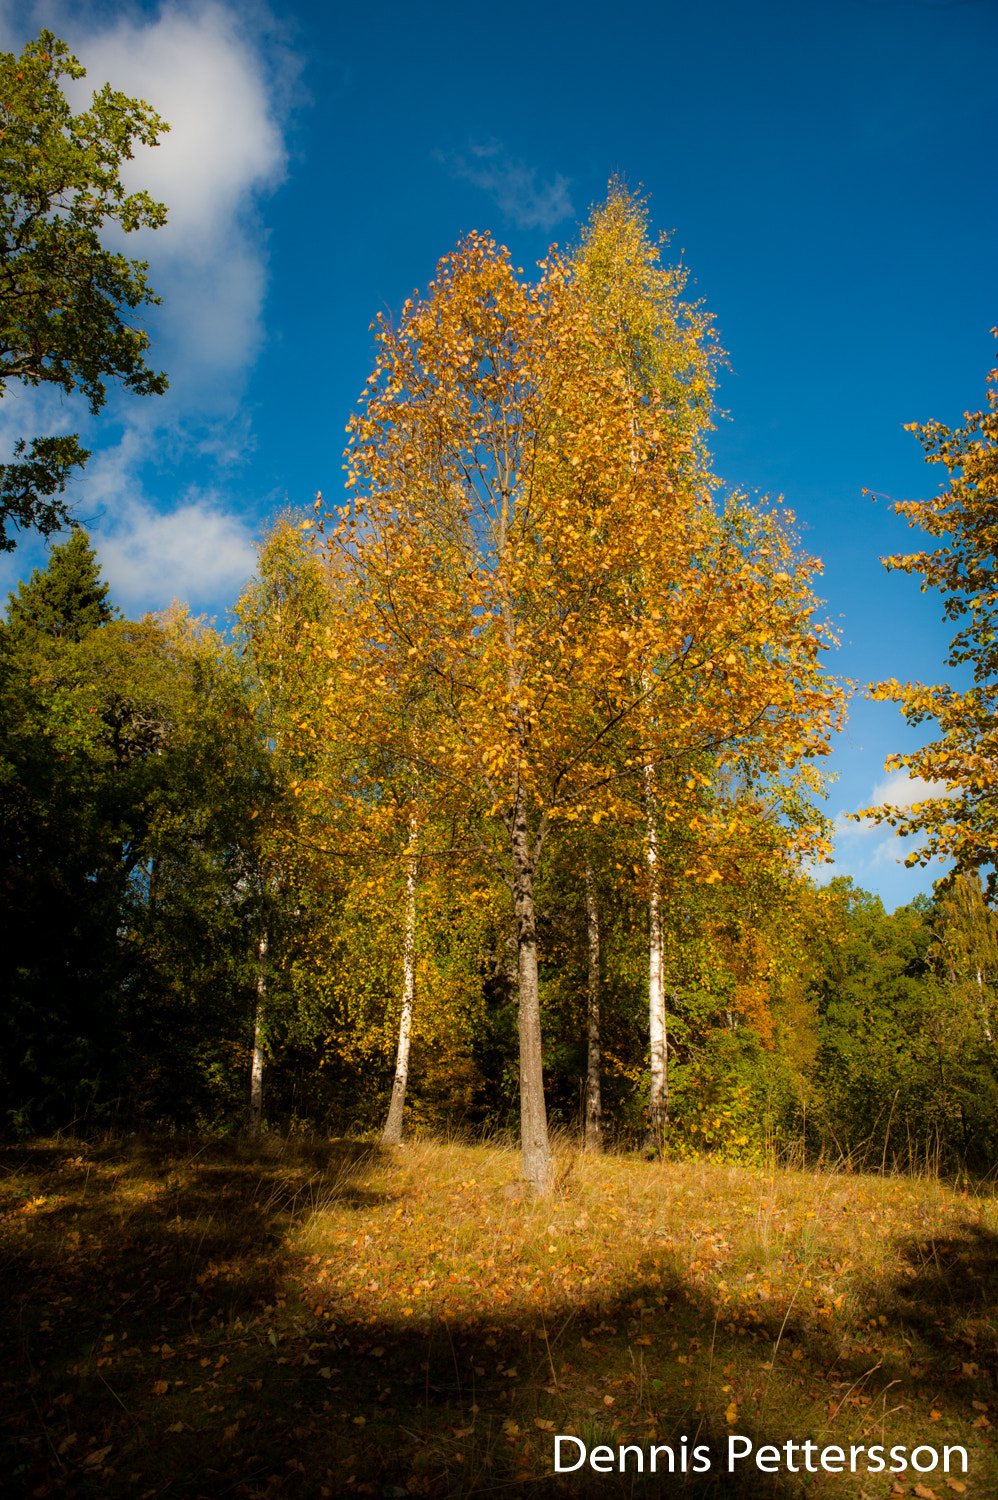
x=299 y=1318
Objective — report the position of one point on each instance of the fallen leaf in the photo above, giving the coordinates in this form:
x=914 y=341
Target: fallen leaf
x=360 y=1421
x=176 y=1427
x=160 y=1387
x=66 y=1444
x=731 y=1415
x=935 y=1414
x=924 y=1493
x=980 y=1405
x=510 y=1428
x=325 y=1373
x=93 y=1460
x=544 y=1426
x=956 y=1484
x=608 y=1401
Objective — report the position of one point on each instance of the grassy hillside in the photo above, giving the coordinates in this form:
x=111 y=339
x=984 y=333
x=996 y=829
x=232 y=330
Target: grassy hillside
x=317 y=1318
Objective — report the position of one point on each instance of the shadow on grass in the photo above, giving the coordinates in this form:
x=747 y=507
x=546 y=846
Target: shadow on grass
x=166 y=1342
x=946 y=1305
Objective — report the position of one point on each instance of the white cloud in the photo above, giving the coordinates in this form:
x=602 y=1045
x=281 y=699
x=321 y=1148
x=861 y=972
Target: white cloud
x=901 y=790
x=197 y=552
x=513 y=186
x=873 y=853
x=202 y=68
x=221 y=76
x=898 y=790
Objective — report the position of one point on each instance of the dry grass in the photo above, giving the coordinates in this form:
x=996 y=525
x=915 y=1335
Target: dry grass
x=323 y=1319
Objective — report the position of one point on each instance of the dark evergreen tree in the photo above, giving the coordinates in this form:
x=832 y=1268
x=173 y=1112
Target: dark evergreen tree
x=135 y=785
x=66 y=601
x=86 y=704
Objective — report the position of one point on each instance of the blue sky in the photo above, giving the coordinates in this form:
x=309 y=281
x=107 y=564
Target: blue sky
x=824 y=169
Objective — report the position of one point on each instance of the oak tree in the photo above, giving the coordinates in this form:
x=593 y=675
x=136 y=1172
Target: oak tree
x=68 y=305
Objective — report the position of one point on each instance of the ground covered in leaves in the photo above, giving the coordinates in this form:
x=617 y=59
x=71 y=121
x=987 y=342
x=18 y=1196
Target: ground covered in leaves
x=321 y=1319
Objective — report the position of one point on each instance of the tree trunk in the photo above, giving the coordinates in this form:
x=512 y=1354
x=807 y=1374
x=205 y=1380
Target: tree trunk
x=392 y=1135
x=658 y=1098
x=256 y=1069
x=538 y=1168
x=982 y=1005
x=594 y=1101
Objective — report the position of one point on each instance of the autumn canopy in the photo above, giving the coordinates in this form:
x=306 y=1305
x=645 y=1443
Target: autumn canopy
x=548 y=614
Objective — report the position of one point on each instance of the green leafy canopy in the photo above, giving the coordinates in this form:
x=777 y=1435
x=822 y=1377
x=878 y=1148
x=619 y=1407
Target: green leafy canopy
x=66 y=302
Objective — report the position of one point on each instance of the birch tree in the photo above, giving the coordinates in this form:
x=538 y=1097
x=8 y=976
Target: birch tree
x=967 y=955
x=666 y=350
x=959 y=817
x=277 y=613
x=392 y=1134
x=508 y=499
x=593 y=1116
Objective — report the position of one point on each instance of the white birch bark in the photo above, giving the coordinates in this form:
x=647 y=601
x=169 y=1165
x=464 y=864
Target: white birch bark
x=256 y=1067
x=593 y=1127
x=658 y=1098
x=392 y=1134
x=982 y=1005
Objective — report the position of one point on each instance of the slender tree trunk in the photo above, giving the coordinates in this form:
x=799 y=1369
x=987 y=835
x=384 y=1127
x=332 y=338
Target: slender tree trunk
x=982 y=1005
x=538 y=1168
x=256 y=1069
x=658 y=1098
x=392 y=1135
x=594 y=1099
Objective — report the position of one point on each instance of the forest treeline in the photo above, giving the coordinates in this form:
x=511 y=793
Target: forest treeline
x=498 y=803
x=168 y=905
